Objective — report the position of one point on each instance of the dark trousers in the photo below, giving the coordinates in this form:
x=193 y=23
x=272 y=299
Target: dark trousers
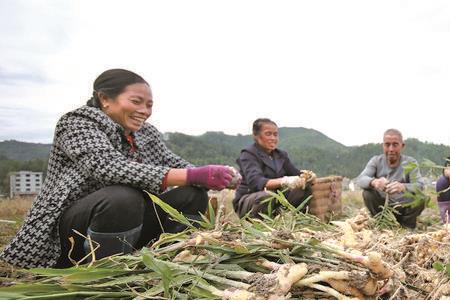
x=119 y=208
x=254 y=203
x=407 y=216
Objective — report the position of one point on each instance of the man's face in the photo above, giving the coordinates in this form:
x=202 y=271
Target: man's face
x=392 y=146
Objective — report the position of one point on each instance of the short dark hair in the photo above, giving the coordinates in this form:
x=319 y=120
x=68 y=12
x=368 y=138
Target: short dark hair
x=258 y=123
x=111 y=83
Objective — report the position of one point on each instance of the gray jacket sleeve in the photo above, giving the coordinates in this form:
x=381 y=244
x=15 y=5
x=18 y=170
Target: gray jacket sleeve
x=368 y=174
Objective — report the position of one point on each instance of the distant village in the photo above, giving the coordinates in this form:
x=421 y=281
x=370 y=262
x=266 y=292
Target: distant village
x=25 y=184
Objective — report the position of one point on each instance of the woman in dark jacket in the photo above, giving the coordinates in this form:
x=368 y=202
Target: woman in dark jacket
x=265 y=167
x=103 y=157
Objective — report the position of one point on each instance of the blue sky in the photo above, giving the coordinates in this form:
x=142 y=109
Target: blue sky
x=350 y=69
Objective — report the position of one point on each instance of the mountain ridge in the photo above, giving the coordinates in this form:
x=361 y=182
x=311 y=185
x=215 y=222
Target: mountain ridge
x=307 y=148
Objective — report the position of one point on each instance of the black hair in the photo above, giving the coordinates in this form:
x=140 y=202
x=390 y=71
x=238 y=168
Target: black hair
x=111 y=83
x=258 y=123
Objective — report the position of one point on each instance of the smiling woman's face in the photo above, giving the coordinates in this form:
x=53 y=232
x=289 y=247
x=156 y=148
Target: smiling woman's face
x=131 y=108
x=267 y=137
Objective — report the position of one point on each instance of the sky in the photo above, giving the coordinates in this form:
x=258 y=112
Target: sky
x=349 y=69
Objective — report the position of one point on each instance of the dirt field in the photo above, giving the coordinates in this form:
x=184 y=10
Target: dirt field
x=12 y=212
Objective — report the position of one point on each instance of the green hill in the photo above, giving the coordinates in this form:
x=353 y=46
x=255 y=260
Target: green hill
x=16 y=150
x=308 y=149
x=294 y=137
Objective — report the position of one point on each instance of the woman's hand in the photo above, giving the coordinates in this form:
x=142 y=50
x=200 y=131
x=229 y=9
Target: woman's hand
x=215 y=177
x=309 y=175
x=236 y=180
x=293 y=182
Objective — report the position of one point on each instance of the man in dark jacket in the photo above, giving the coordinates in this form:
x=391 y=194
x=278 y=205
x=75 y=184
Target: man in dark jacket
x=265 y=168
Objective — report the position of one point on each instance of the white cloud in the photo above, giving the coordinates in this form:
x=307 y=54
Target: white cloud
x=349 y=69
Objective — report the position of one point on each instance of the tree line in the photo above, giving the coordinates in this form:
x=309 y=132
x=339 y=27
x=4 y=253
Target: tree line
x=307 y=148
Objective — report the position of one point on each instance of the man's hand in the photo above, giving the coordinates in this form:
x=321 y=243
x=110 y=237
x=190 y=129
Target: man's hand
x=379 y=183
x=395 y=187
x=293 y=182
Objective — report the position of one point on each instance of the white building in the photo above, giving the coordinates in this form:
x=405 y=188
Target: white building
x=25 y=183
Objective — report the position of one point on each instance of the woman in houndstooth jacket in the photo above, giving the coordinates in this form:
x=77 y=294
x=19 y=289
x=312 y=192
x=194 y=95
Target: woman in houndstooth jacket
x=103 y=157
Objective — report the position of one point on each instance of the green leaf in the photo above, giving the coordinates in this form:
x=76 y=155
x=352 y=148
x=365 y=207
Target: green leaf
x=283 y=201
x=21 y=290
x=125 y=280
x=159 y=267
x=176 y=215
x=231 y=267
x=438 y=266
x=409 y=167
x=313 y=242
x=418 y=197
x=269 y=208
x=155 y=290
x=89 y=275
x=212 y=214
x=79 y=274
x=54 y=272
x=426 y=163
x=206 y=223
x=175 y=282
x=304 y=203
x=199 y=293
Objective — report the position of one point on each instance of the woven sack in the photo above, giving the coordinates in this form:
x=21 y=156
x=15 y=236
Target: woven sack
x=326 y=197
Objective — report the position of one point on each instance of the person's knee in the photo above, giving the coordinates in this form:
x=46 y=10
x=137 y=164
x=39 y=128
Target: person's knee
x=372 y=200
x=252 y=204
x=199 y=198
x=368 y=194
x=121 y=208
x=126 y=199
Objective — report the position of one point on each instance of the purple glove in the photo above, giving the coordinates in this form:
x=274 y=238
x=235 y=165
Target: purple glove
x=215 y=177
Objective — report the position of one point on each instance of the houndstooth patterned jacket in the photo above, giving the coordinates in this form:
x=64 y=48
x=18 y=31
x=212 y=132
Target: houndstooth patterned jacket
x=89 y=152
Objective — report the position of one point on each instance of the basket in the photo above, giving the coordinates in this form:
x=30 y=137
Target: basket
x=326 y=197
